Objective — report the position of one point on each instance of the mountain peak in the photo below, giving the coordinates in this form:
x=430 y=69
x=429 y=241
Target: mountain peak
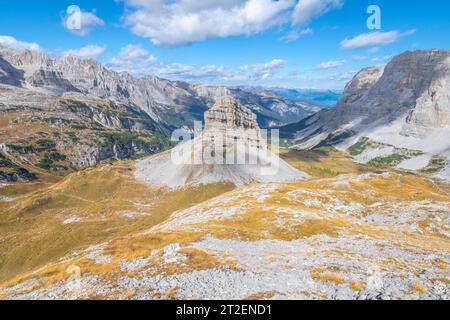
x=171 y=103
x=228 y=112
x=405 y=105
x=231 y=149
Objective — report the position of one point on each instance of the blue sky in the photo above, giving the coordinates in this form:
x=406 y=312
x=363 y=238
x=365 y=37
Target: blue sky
x=288 y=43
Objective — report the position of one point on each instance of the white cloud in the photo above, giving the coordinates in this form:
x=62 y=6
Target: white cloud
x=381 y=59
x=196 y=73
x=330 y=64
x=87 y=52
x=373 y=39
x=133 y=59
x=13 y=43
x=262 y=71
x=181 y=22
x=306 y=10
x=138 y=61
x=343 y=76
x=220 y=74
x=296 y=34
x=88 y=21
x=359 y=58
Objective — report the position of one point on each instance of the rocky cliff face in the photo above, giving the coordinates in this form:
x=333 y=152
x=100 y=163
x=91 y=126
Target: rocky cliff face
x=432 y=107
x=231 y=128
x=228 y=113
x=231 y=149
x=171 y=103
x=91 y=113
x=42 y=134
x=403 y=106
x=414 y=85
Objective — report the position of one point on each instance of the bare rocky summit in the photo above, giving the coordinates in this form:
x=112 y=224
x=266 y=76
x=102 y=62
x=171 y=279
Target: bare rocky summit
x=170 y=103
x=231 y=149
x=229 y=113
x=405 y=104
x=92 y=114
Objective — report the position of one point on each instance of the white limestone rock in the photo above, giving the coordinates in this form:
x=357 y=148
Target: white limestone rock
x=220 y=154
x=405 y=104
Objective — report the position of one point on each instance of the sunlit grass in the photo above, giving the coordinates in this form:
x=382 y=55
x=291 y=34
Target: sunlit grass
x=107 y=200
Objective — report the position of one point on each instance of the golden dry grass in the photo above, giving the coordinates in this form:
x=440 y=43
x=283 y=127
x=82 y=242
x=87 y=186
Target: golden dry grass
x=327 y=274
x=261 y=296
x=418 y=288
x=34 y=237
x=357 y=286
x=31 y=229
x=321 y=163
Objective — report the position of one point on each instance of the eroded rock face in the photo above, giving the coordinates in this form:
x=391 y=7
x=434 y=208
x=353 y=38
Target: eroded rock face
x=432 y=108
x=229 y=125
x=414 y=85
x=171 y=103
x=20 y=174
x=231 y=149
x=8 y=74
x=227 y=112
x=50 y=79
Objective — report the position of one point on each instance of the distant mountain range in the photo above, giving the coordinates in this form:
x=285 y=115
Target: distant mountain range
x=172 y=104
x=323 y=98
x=231 y=132
x=68 y=113
x=398 y=114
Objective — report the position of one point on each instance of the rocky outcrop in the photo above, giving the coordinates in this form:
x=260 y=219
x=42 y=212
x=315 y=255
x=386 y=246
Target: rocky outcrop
x=228 y=113
x=414 y=88
x=231 y=149
x=19 y=174
x=171 y=103
x=58 y=134
x=398 y=114
x=50 y=79
x=10 y=75
x=89 y=155
x=231 y=127
x=432 y=107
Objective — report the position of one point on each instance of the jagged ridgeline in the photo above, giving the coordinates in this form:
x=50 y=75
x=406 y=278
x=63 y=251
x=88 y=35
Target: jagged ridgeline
x=393 y=115
x=62 y=135
x=171 y=103
x=58 y=115
x=220 y=154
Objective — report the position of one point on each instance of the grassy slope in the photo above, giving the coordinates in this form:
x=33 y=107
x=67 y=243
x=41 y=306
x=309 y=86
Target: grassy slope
x=322 y=163
x=101 y=196
x=259 y=220
x=32 y=232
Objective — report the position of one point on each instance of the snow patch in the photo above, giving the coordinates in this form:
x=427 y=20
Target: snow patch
x=416 y=163
x=372 y=153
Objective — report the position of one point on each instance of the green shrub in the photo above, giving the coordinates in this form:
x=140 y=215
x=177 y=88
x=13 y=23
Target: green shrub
x=436 y=164
x=359 y=147
x=45 y=163
x=55 y=156
x=388 y=161
x=46 y=144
